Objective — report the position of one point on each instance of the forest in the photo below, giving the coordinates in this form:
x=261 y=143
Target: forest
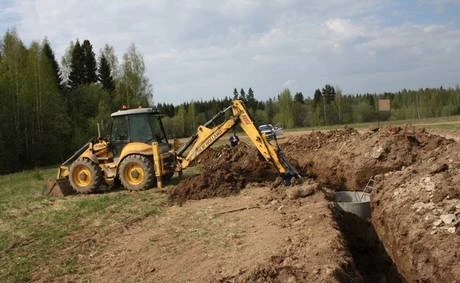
x=50 y=109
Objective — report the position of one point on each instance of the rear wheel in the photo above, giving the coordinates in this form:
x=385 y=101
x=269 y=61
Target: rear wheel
x=85 y=176
x=136 y=172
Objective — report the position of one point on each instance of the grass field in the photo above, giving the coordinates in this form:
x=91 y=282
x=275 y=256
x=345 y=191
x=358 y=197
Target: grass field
x=34 y=227
x=449 y=122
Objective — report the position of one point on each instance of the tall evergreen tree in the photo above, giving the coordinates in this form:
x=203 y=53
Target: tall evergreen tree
x=250 y=100
x=235 y=93
x=48 y=52
x=77 y=69
x=328 y=93
x=298 y=97
x=243 y=95
x=105 y=75
x=89 y=63
x=317 y=97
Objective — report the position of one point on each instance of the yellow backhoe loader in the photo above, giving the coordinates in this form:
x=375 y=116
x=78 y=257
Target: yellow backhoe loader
x=137 y=152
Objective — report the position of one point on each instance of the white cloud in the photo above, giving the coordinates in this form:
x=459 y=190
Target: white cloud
x=200 y=49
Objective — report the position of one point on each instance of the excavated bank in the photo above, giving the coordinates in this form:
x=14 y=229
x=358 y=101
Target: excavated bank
x=416 y=212
x=415 y=200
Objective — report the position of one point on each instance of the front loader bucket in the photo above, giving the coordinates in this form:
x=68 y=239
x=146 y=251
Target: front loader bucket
x=59 y=187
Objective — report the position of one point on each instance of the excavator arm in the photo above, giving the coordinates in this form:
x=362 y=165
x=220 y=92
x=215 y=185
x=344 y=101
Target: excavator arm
x=207 y=135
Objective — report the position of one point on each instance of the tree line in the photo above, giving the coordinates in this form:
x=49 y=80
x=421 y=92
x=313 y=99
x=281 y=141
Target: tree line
x=48 y=109
x=326 y=106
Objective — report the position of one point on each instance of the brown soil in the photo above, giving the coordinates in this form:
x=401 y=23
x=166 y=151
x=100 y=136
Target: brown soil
x=346 y=159
x=226 y=171
x=416 y=182
x=407 y=206
x=259 y=235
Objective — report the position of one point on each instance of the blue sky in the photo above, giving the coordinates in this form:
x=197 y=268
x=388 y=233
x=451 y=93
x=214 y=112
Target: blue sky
x=202 y=49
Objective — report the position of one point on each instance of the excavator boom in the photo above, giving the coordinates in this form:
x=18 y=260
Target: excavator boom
x=206 y=136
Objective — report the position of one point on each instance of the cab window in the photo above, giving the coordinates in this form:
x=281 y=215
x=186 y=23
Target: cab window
x=120 y=129
x=140 y=128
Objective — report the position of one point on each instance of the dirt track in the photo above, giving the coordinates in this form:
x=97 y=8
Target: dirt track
x=234 y=223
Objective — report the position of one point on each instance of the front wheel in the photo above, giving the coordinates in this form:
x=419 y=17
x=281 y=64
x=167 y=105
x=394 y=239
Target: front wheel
x=136 y=172
x=85 y=176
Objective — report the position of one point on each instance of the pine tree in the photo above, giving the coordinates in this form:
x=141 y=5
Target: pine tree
x=48 y=52
x=105 y=75
x=243 y=95
x=77 y=69
x=251 y=101
x=235 y=93
x=317 y=97
x=298 y=97
x=328 y=93
x=89 y=63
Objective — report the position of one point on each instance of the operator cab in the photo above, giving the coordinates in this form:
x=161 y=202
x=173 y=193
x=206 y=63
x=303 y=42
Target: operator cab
x=137 y=125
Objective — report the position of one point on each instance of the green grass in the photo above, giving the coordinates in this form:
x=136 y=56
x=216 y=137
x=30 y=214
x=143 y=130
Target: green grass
x=34 y=228
x=449 y=123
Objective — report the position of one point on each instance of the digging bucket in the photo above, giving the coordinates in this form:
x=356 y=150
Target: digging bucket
x=357 y=203
x=59 y=187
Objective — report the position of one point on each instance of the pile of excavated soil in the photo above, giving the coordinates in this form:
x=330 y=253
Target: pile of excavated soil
x=226 y=171
x=346 y=159
x=415 y=200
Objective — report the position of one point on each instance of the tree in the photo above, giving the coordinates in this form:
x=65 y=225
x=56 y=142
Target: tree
x=66 y=65
x=298 y=97
x=243 y=95
x=191 y=118
x=48 y=52
x=251 y=102
x=77 y=69
x=105 y=75
x=89 y=63
x=339 y=103
x=317 y=98
x=286 y=114
x=133 y=87
x=328 y=93
x=109 y=53
x=235 y=93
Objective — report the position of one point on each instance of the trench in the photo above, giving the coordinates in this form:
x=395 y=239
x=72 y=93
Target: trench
x=366 y=249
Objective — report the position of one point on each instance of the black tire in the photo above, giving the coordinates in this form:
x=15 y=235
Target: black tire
x=167 y=177
x=85 y=176
x=136 y=172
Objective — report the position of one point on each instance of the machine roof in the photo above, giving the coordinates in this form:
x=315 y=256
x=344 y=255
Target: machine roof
x=136 y=111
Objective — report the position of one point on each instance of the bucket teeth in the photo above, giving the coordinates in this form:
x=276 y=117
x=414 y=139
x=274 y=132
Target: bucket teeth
x=59 y=187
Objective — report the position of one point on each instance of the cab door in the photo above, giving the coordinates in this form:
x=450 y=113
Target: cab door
x=120 y=135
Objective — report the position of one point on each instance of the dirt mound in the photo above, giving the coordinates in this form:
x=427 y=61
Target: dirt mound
x=226 y=171
x=345 y=159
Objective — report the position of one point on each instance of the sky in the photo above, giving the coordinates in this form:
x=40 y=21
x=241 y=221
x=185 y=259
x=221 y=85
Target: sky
x=200 y=49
